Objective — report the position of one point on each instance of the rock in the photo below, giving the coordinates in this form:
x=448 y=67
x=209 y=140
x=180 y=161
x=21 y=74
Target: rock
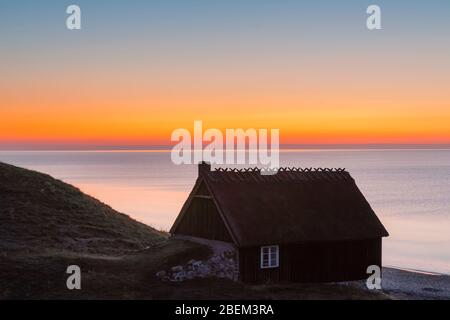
x=161 y=274
x=215 y=259
x=221 y=266
x=204 y=271
x=197 y=264
x=177 y=268
x=179 y=276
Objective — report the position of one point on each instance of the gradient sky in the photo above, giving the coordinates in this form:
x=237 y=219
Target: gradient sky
x=140 y=69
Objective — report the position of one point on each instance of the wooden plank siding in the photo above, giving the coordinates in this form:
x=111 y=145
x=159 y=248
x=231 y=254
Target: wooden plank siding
x=313 y=262
x=203 y=220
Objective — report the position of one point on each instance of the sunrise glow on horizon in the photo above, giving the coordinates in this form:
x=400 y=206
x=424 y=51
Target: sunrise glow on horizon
x=139 y=70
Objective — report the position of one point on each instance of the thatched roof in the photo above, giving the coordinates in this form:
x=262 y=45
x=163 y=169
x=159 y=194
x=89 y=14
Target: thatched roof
x=295 y=205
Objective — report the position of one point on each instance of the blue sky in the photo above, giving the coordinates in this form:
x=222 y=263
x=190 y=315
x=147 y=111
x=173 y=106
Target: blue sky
x=282 y=59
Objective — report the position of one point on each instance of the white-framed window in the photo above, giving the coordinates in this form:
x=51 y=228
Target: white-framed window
x=270 y=257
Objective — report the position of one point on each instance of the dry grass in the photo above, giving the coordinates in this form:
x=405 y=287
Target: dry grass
x=133 y=277
x=39 y=213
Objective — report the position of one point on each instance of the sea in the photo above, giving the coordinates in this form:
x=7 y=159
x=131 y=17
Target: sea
x=409 y=189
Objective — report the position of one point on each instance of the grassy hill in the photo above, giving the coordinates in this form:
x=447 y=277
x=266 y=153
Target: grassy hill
x=47 y=225
x=38 y=212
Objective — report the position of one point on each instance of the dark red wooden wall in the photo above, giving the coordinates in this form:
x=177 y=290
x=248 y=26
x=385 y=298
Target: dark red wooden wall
x=202 y=220
x=313 y=262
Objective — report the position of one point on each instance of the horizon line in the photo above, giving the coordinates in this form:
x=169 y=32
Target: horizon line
x=283 y=147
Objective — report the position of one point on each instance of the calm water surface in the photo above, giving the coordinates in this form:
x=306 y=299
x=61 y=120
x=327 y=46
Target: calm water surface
x=408 y=189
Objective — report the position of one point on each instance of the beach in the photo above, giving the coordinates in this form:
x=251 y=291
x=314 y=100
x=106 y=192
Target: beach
x=416 y=285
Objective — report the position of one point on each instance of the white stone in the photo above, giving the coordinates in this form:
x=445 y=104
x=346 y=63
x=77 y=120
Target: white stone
x=177 y=268
x=161 y=274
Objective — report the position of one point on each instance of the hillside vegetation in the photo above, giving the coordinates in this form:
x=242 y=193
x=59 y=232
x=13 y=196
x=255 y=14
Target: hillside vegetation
x=39 y=213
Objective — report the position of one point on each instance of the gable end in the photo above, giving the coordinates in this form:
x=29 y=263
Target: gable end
x=200 y=217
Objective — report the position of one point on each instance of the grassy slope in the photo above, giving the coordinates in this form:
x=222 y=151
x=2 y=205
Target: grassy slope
x=133 y=277
x=39 y=213
x=47 y=225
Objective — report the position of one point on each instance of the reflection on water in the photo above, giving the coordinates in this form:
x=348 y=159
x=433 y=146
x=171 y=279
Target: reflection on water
x=409 y=190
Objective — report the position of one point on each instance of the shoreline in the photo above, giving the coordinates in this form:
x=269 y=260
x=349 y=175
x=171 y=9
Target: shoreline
x=401 y=283
x=419 y=271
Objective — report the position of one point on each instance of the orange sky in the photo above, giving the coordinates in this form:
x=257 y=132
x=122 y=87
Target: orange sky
x=87 y=108
x=135 y=85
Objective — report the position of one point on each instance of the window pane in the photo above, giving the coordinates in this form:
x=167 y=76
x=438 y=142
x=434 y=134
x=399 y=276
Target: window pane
x=269 y=256
x=265 y=261
x=273 y=256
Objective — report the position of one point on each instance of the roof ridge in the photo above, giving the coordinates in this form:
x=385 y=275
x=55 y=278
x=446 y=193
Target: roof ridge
x=281 y=169
x=284 y=174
